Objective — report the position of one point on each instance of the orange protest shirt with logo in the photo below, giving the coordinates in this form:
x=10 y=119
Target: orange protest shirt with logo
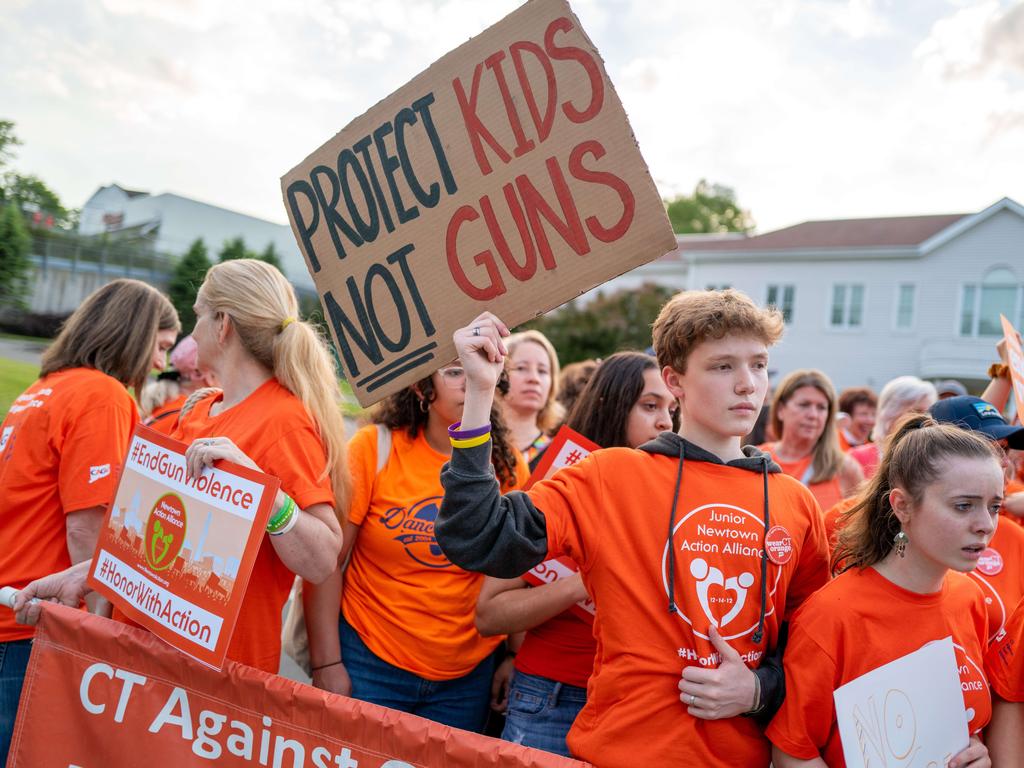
x=61 y=449
x=827 y=493
x=165 y=418
x=610 y=513
x=1005 y=661
x=1000 y=573
x=272 y=427
x=410 y=605
x=859 y=622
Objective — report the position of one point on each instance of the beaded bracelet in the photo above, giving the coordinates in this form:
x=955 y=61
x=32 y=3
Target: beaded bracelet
x=284 y=514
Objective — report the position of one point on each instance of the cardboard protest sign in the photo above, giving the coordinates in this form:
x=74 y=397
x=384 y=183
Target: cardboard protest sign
x=101 y=694
x=175 y=554
x=1016 y=357
x=505 y=178
x=907 y=712
x=568 y=447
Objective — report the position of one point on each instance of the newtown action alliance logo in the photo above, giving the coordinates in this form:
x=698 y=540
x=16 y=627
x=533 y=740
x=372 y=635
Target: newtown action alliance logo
x=165 y=531
x=718 y=568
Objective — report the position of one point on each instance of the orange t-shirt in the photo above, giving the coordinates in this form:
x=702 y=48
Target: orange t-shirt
x=827 y=493
x=1000 y=572
x=834 y=519
x=411 y=606
x=859 y=622
x=610 y=514
x=165 y=418
x=272 y=427
x=1012 y=487
x=1005 y=661
x=61 y=448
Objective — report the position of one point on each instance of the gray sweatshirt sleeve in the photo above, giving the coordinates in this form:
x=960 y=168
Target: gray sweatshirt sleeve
x=479 y=529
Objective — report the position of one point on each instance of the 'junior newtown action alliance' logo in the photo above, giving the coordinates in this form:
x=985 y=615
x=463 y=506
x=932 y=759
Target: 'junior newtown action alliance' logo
x=718 y=564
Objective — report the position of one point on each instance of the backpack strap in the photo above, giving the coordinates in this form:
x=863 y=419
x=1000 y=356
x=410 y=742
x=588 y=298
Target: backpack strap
x=383 y=446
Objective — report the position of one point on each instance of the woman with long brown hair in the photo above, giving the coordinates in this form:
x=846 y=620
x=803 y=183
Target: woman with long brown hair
x=402 y=633
x=803 y=416
x=923 y=521
x=62 y=444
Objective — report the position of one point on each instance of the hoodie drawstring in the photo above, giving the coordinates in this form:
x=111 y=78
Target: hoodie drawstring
x=671 y=530
x=764 y=555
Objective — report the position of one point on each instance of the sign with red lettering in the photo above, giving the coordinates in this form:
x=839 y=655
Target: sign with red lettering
x=1016 y=357
x=101 y=693
x=175 y=553
x=505 y=177
x=568 y=447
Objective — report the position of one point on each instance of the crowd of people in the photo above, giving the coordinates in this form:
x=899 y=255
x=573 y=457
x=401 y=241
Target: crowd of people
x=744 y=553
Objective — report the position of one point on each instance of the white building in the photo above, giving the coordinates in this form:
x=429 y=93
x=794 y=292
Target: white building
x=172 y=223
x=866 y=300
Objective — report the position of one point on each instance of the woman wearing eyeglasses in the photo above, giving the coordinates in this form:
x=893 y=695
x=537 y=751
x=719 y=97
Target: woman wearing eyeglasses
x=405 y=636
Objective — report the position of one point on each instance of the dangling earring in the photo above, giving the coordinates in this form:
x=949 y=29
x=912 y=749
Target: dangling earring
x=424 y=405
x=900 y=541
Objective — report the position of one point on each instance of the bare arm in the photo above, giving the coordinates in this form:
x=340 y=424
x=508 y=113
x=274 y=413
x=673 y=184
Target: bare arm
x=82 y=532
x=322 y=607
x=781 y=760
x=506 y=606
x=998 y=390
x=1005 y=732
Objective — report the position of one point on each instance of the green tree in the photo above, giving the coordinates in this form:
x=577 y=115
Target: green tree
x=15 y=245
x=188 y=276
x=7 y=141
x=711 y=208
x=31 y=193
x=605 y=324
x=271 y=256
x=234 y=249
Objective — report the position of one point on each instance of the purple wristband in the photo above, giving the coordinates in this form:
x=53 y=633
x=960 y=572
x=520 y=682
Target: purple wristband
x=456 y=434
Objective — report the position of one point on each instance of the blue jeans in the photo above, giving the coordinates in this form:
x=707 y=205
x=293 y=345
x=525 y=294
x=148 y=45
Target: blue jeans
x=13 y=662
x=459 y=703
x=541 y=712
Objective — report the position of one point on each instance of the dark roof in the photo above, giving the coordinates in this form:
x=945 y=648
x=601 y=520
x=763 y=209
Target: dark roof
x=893 y=231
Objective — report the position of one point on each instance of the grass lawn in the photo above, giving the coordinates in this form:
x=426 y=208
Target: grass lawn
x=14 y=379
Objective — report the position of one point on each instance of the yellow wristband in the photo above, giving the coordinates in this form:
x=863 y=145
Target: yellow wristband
x=470 y=442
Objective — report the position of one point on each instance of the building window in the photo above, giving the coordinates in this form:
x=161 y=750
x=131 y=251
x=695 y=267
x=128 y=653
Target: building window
x=905 y=307
x=981 y=305
x=781 y=297
x=847 y=305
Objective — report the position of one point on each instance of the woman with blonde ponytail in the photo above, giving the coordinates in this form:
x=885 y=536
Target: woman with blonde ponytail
x=921 y=524
x=278 y=412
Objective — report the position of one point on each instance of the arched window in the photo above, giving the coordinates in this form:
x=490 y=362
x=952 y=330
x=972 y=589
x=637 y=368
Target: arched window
x=981 y=305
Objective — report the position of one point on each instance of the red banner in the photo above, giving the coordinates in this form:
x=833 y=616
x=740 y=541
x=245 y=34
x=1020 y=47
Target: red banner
x=100 y=694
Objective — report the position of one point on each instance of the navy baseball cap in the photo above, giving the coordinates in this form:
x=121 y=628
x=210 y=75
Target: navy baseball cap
x=978 y=415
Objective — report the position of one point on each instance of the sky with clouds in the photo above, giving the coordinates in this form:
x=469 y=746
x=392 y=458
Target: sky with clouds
x=809 y=109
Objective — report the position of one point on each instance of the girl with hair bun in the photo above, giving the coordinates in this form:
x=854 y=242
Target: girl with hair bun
x=278 y=412
x=923 y=521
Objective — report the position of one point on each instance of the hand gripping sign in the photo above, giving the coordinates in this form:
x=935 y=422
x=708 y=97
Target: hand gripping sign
x=567 y=448
x=175 y=553
x=1016 y=357
x=101 y=694
x=505 y=177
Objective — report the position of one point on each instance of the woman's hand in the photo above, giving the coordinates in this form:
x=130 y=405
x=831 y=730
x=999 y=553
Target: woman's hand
x=482 y=351
x=206 y=450
x=334 y=679
x=500 y=684
x=975 y=756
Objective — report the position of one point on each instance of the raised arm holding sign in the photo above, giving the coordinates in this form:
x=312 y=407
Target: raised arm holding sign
x=504 y=177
